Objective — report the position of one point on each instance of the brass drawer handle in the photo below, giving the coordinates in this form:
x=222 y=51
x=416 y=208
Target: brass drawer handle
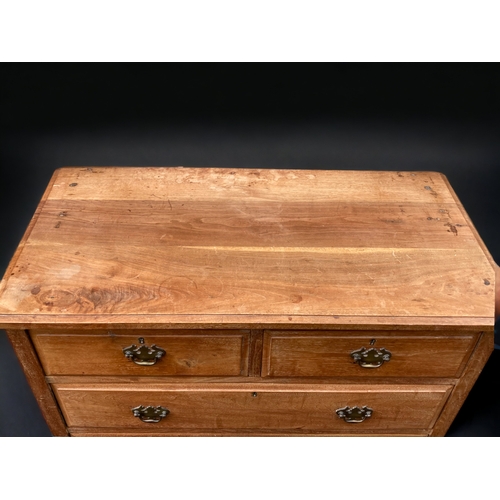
x=354 y=415
x=150 y=414
x=144 y=355
x=371 y=358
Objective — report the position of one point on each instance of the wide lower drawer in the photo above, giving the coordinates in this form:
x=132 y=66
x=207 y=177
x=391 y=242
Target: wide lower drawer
x=180 y=352
x=219 y=406
x=327 y=354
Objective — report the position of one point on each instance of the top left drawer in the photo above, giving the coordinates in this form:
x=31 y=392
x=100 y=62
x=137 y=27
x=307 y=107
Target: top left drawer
x=176 y=352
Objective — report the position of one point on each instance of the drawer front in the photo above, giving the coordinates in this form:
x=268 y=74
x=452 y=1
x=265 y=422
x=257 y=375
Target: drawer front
x=214 y=353
x=286 y=409
x=326 y=354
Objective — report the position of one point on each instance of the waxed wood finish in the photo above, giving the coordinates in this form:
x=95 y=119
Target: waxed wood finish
x=219 y=246
x=258 y=284
x=464 y=385
x=34 y=375
x=218 y=407
x=217 y=353
x=323 y=354
x=120 y=432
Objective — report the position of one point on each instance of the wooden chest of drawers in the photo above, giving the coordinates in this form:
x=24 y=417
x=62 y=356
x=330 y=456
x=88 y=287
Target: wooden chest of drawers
x=182 y=301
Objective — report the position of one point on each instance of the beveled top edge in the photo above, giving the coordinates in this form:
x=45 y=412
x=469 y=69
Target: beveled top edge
x=261 y=322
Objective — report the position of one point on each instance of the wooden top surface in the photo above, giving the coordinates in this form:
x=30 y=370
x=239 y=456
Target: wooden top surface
x=165 y=247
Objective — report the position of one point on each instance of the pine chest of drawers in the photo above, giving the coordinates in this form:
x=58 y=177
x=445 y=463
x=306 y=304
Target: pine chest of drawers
x=202 y=301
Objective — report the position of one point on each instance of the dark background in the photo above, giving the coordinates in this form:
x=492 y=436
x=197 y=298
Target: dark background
x=440 y=117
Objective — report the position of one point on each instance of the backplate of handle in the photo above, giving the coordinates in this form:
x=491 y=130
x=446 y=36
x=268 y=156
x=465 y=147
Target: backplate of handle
x=354 y=415
x=143 y=355
x=150 y=414
x=371 y=358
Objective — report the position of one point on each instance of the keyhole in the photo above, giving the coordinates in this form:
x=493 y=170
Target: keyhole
x=372 y=341
x=141 y=340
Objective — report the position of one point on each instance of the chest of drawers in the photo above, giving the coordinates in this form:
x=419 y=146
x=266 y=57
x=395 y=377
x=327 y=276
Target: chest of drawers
x=203 y=301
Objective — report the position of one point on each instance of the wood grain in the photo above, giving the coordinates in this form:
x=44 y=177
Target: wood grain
x=121 y=432
x=272 y=383
x=29 y=229
x=254 y=224
x=258 y=284
x=481 y=354
x=255 y=355
x=34 y=375
x=164 y=184
x=214 y=353
x=222 y=408
x=323 y=354
x=185 y=246
x=469 y=222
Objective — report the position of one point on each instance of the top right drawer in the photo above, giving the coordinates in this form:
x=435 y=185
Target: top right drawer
x=367 y=354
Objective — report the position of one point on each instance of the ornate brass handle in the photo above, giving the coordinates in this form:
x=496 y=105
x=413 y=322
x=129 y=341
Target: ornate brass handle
x=354 y=415
x=371 y=358
x=150 y=414
x=144 y=355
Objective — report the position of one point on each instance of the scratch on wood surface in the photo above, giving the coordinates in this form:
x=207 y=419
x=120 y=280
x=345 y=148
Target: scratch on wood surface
x=392 y=221
x=396 y=257
x=428 y=188
x=453 y=228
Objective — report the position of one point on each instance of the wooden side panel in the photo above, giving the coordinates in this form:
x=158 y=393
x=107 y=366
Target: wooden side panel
x=216 y=353
x=476 y=364
x=393 y=408
x=34 y=374
x=323 y=354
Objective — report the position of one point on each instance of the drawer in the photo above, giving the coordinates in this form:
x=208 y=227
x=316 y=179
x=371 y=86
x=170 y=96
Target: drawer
x=214 y=353
x=330 y=354
x=283 y=408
